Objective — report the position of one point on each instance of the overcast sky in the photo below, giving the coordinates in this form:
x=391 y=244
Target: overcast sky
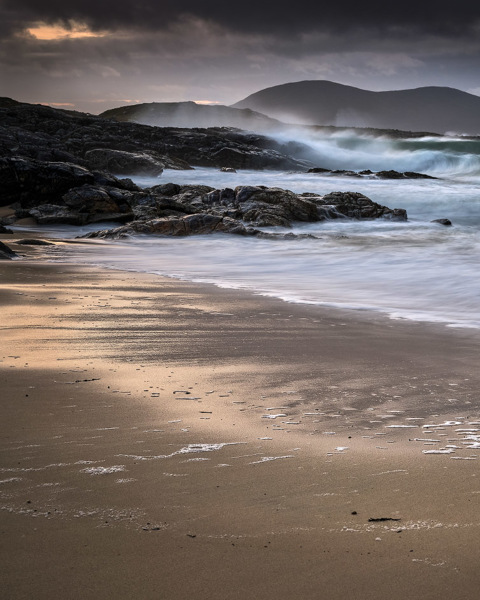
x=96 y=54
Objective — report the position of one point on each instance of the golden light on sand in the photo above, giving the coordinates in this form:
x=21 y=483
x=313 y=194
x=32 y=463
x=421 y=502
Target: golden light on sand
x=45 y=32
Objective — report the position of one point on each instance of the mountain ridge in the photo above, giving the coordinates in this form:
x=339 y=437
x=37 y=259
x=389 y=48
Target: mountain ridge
x=439 y=109
x=191 y=114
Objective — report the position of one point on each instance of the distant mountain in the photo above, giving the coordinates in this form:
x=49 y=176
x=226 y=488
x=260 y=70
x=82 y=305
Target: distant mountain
x=190 y=114
x=435 y=109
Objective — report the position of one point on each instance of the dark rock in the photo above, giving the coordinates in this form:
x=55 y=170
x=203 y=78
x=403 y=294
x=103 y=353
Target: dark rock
x=123 y=163
x=318 y=170
x=6 y=253
x=414 y=175
x=368 y=173
x=445 y=222
x=390 y=175
x=5 y=229
x=273 y=206
x=176 y=226
x=89 y=198
x=357 y=206
x=50 y=214
x=50 y=135
x=228 y=170
x=406 y=175
x=32 y=182
x=166 y=189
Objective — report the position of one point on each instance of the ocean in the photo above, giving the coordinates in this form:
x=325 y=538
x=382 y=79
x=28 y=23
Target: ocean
x=415 y=270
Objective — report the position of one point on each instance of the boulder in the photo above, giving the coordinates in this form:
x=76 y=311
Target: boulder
x=198 y=224
x=123 y=163
x=445 y=222
x=357 y=206
x=32 y=182
x=273 y=206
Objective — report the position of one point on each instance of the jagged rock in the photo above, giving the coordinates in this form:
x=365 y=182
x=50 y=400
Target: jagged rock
x=6 y=253
x=123 y=163
x=44 y=133
x=273 y=206
x=95 y=200
x=50 y=214
x=318 y=170
x=357 y=206
x=31 y=182
x=368 y=173
x=445 y=222
x=407 y=175
x=176 y=226
x=228 y=170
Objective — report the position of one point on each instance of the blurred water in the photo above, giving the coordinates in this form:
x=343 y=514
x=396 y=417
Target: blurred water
x=415 y=269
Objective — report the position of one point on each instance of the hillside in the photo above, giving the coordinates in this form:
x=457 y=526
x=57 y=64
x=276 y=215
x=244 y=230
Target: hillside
x=190 y=114
x=435 y=109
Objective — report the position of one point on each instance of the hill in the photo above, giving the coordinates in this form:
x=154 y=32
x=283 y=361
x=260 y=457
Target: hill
x=434 y=109
x=190 y=114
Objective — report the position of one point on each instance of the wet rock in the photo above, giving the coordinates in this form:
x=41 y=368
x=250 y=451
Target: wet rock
x=445 y=222
x=398 y=175
x=228 y=170
x=123 y=163
x=318 y=170
x=47 y=134
x=5 y=229
x=273 y=206
x=32 y=182
x=50 y=214
x=391 y=174
x=198 y=224
x=357 y=206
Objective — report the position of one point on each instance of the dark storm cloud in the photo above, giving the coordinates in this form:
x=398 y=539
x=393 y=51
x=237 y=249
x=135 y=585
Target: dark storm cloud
x=252 y=16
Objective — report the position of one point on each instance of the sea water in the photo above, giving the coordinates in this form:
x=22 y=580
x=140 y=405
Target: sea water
x=412 y=270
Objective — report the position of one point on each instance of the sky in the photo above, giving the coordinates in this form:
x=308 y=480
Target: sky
x=92 y=55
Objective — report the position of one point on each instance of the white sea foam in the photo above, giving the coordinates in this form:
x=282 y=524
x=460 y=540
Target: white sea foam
x=265 y=459
x=104 y=470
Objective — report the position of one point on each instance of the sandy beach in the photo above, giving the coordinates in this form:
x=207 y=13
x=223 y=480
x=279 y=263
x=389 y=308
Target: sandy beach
x=166 y=440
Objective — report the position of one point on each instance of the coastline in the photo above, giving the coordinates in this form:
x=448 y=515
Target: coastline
x=133 y=373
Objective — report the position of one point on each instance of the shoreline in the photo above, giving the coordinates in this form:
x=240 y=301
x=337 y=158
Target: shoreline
x=146 y=375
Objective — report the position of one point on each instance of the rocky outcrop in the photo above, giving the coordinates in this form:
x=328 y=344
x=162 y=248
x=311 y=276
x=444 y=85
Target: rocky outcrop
x=31 y=181
x=366 y=173
x=201 y=223
x=46 y=134
x=68 y=194
x=354 y=205
x=176 y=210
x=445 y=222
x=120 y=162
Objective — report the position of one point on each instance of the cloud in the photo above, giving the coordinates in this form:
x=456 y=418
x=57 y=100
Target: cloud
x=97 y=53
x=250 y=16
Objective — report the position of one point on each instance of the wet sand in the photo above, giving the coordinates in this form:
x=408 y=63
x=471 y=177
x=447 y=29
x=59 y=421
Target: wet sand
x=162 y=439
